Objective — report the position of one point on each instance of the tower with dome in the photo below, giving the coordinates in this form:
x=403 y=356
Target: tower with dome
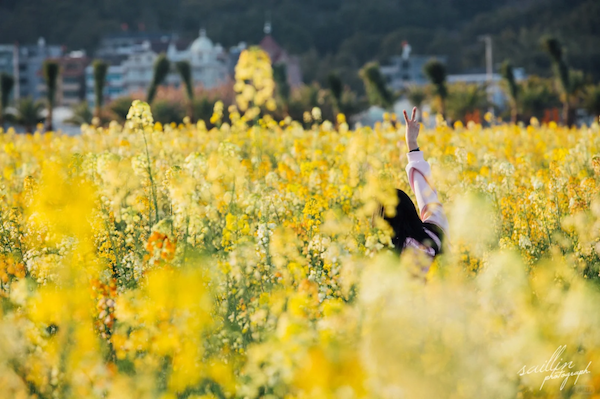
x=209 y=62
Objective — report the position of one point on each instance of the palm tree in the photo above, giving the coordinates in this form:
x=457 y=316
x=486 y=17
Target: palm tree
x=570 y=82
x=165 y=111
x=100 y=70
x=436 y=73
x=119 y=108
x=375 y=86
x=51 y=71
x=512 y=90
x=161 y=70
x=464 y=99
x=417 y=96
x=336 y=88
x=537 y=95
x=185 y=71
x=203 y=108
x=29 y=113
x=6 y=85
x=81 y=114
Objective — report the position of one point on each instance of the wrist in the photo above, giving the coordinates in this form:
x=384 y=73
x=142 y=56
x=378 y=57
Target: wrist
x=412 y=145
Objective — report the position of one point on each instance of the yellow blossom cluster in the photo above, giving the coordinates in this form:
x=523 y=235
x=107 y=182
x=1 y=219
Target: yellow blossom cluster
x=142 y=261
x=254 y=82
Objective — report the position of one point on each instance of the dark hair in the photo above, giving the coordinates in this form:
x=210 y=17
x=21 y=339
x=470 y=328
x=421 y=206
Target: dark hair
x=407 y=223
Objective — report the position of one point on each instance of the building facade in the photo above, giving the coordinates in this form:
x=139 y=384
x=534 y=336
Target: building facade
x=279 y=56
x=403 y=71
x=8 y=64
x=114 y=85
x=494 y=87
x=132 y=62
x=71 y=82
x=29 y=74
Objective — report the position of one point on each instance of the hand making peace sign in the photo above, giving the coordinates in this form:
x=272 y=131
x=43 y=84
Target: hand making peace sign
x=412 y=130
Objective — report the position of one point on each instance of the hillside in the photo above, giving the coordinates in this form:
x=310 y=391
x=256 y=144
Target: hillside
x=340 y=34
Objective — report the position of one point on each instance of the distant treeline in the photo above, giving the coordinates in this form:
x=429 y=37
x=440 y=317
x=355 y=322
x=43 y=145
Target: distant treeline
x=329 y=35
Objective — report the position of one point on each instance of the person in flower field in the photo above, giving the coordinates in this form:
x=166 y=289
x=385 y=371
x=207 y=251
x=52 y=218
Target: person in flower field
x=424 y=231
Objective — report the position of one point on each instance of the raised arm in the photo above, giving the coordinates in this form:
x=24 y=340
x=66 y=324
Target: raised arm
x=419 y=177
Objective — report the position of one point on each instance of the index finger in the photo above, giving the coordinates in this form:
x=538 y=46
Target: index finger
x=414 y=113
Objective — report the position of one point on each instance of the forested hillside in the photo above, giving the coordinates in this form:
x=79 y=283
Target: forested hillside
x=341 y=34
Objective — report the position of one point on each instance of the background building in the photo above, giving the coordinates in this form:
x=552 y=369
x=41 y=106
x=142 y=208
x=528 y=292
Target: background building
x=30 y=59
x=71 y=81
x=281 y=57
x=496 y=94
x=125 y=43
x=7 y=62
x=7 y=57
x=407 y=69
x=131 y=63
x=114 y=86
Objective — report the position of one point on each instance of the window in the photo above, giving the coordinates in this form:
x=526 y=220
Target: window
x=71 y=67
x=70 y=94
x=71 y=80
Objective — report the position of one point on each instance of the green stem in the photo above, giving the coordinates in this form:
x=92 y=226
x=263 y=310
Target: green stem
x=152 y=186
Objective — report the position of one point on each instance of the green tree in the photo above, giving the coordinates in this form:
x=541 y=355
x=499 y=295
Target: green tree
x=336 y=88
x=6 y=85
x=537 y=96
x=51 y=70
x=165 y=111
x=28 y=113
x=570 y=82
x=81 y=114
x=435 y=71
x=203 y=109
x=305 y=98
x=100 y=70
x=185 y=72
x=512 y=89
x=465 y=99
x=375 y=86
x=119 y=108
x=282 y=86
x=161 y=70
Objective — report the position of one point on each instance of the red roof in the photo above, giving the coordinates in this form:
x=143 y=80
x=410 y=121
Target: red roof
x=272 y=48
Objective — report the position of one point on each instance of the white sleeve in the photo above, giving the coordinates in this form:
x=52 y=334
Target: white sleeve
x=419 y=177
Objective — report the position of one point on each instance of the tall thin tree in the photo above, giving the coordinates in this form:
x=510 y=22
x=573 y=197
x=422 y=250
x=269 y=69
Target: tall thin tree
x=512 y=90
x=6 y=85
x=185 y=72
x=100 y=71
x=161 y=70
x=336 y=88
x=29 y=113
x=435 y=71
x=375 y=86
x=563 y=75
x=51 y=71
x=282 y=86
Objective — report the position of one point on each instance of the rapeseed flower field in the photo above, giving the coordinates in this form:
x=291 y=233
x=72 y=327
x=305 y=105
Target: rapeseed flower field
x=240 y=261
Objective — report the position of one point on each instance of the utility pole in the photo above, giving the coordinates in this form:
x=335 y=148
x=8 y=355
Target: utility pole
x=489 y=67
